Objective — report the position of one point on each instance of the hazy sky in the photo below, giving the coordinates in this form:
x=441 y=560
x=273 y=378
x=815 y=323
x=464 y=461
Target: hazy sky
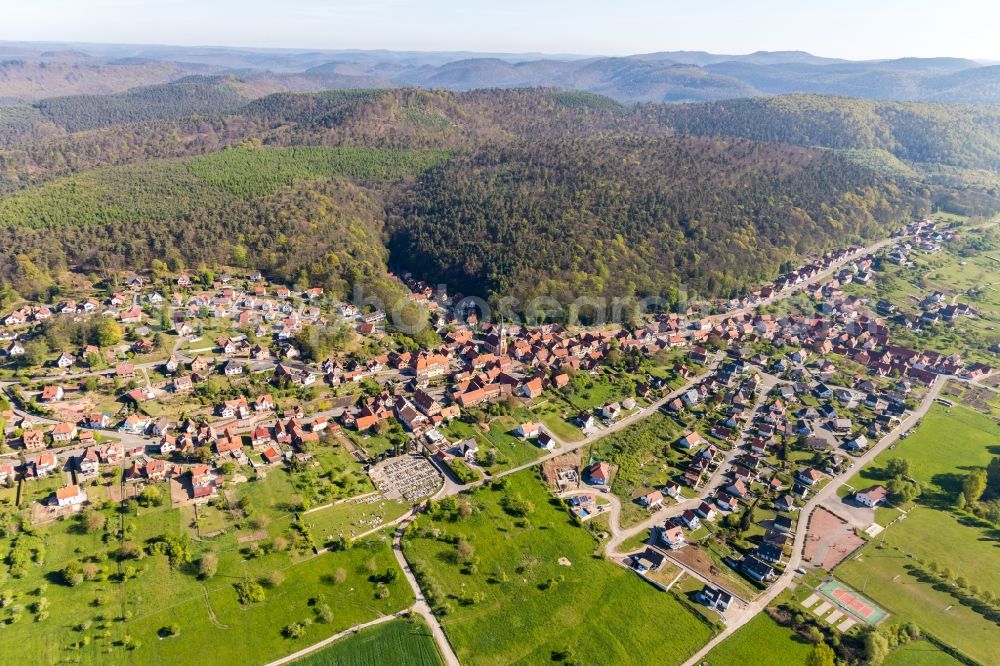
x=847 y=28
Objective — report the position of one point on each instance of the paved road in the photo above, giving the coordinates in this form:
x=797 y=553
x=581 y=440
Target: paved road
x=563 y=447
x=828 y=491
x=768 y=382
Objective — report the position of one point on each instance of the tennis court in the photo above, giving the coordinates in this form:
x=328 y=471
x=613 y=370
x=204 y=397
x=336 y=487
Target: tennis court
x=852 y=603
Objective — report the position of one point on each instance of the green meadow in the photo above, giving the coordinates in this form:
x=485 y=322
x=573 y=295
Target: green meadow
x=403 y=642
x=516 y=580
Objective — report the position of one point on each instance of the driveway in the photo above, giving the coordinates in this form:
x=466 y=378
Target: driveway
x=857 y=515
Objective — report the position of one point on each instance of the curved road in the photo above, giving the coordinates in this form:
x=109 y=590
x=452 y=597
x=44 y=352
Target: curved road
x=825 y=493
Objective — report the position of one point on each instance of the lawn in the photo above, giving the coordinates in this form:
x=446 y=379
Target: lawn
x=948 y=442
x=534 y=588
x=920 y=653
x=512 y=451
x=404 y=642
x=761 y=642
x=560 y=427
x=883 y=576
x=586 y=391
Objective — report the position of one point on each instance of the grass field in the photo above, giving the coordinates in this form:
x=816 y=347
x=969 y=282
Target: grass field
x=522 y=603
x=920 y=653
x=101 y=620
x=761 y=642
x=882 y=575
x=404 y=642
x=947 y=443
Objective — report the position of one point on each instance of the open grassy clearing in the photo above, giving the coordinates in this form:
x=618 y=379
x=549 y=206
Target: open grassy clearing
x=404 y=642
x=519 y=603
x=883 y=576
x=947 y=443
x=645 y=459
x=920 y=653
x=762 y=642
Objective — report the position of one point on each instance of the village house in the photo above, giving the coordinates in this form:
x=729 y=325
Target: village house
x=33 y=440
x=546 y=441
x=599 y=474
x=690 y=520
x=648 y=560
x=673 y=537
x=810 y=476
x=691 y=440
x=715 y=598
x=52 y=394
x=872 y=496
x=63 y=432
x=528 y=430
x=652 y=500
x=531 y=388
x=71 y=495
x=88 y=463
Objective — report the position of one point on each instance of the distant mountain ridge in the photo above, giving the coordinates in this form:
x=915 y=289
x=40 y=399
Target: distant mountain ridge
x=31 y=72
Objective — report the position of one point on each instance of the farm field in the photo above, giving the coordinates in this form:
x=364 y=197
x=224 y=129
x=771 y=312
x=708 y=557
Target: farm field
x=403 y=642
x=533 y=589
x=762 y=642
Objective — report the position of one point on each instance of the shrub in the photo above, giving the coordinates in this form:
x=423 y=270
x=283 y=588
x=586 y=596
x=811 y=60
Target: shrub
x=93 y=521
x=250 y=592
x=208 y=565
x=274 y=579
x=294 y=630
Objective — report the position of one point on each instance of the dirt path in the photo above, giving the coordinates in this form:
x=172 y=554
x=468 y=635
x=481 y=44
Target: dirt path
x=421 y=606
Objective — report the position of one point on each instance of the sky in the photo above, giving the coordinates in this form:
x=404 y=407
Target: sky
x=854 y=29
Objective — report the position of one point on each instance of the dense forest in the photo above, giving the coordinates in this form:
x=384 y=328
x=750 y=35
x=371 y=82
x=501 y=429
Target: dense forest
x=313 y=233
x=623 y=217
x=185 y=97
x=522 y=191
x=952 y=134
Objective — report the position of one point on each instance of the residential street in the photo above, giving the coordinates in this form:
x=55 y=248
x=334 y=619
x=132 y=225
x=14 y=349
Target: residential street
x=828 y=491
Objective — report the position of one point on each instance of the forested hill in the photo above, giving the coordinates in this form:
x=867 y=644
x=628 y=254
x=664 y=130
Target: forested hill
x=620 y=217
x=525 y=190
x=952 y=134
x=186 y=97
